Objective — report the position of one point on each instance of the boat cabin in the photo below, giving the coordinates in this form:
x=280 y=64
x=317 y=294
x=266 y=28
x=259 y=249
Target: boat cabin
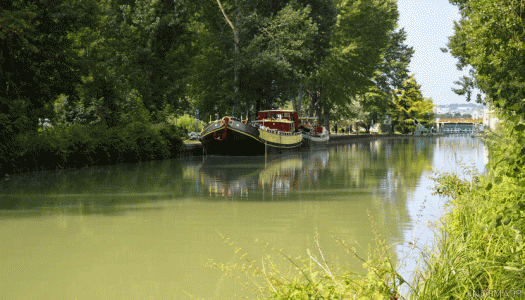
x=312 y=123
x=284 y=120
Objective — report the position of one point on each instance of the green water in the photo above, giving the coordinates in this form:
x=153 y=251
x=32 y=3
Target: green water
x=146 y=231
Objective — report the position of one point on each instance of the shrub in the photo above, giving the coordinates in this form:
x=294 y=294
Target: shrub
x=186 y=123
x=74 y=145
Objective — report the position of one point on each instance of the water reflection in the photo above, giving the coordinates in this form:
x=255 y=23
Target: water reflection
x=155 y=222
x=384 y=168
x=381 y=166
x=273 y=176
x=95 y=190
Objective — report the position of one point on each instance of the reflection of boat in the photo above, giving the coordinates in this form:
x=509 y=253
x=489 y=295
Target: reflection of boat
x=273 y=131
x=222 y=180
x=261 y=177
x=282 y=175
x=313 y=133
x=277 y=175
x=318 y=160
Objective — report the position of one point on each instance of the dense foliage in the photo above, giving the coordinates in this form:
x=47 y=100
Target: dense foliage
x=488 y=38
x=117 y=62
x=410 y=108
x=78 y=146
x=376 y=103
x=36 y=58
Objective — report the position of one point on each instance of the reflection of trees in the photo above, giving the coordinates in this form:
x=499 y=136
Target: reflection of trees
x=389 y=169
x=397 y=162
x=359 y=164
x=96 y=186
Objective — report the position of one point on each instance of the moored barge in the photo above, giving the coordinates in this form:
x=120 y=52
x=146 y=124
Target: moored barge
x=273 y=131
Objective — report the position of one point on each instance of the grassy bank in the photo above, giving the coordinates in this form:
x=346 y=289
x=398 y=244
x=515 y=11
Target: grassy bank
x=480 y=253
x=73 y=146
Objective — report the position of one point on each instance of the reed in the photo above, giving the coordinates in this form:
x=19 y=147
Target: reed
x=279 y=276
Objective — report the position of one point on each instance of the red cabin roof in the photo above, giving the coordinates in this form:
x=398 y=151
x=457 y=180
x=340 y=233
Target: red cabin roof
x=279 y=115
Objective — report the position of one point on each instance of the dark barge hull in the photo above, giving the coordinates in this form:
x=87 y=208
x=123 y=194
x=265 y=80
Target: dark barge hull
x=233 y=137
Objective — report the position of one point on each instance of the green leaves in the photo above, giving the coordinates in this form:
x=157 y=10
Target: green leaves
x=37 y=59
x=519 y=127
x=409 y=104
x=488 y=39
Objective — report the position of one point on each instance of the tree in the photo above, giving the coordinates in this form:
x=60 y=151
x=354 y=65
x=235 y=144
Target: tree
x=489 y=39
x=389 y=77
x=393 y=70
x=139 y=47
x=359 y=36
x=36 y=59
x=409 y=105
x=275 y=41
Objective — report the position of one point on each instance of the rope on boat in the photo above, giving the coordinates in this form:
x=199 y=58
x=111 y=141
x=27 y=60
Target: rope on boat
x=224 y=133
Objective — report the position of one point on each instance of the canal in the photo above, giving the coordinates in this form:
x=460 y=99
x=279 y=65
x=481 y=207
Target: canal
x=148 y=230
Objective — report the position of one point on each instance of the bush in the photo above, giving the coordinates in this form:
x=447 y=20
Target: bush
x=186 y=123
x=76 y=146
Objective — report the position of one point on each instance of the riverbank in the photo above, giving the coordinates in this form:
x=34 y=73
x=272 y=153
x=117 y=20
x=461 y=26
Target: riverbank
x=195 y=148
x=480 y=249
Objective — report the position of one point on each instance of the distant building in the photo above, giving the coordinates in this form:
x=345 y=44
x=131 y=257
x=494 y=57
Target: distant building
x=450 y=126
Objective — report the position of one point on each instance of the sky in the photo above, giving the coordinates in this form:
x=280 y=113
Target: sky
x=428 y=24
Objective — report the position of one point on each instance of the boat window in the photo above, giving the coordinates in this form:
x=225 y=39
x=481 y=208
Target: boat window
x=268 y=115
x=287 y=115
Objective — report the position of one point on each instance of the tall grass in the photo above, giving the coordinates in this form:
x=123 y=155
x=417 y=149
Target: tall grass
x=279 y=276
x=480 y=248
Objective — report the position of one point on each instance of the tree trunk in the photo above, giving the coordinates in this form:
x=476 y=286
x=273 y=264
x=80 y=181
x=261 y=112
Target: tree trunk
x=300 y=100
x=319 y=106
x=326 y=116
x=236 y=40
x=297 y=102
x=313 y=101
